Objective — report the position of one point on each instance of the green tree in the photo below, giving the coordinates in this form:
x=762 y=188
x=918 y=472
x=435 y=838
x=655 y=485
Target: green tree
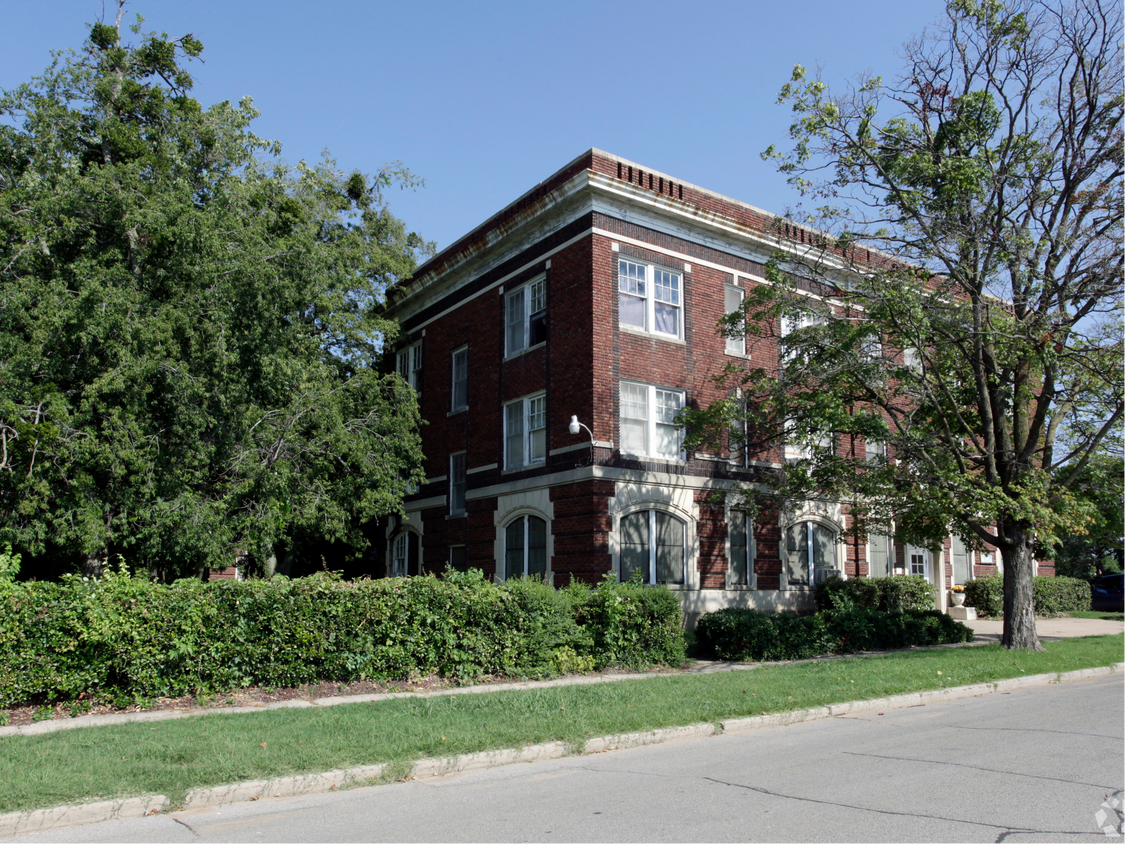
x=1097 y=547
x=959 y=297
x=189 y=335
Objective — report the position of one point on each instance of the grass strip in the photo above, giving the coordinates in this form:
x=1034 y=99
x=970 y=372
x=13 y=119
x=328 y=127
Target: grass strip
x=171 y=757
x=1100 y=615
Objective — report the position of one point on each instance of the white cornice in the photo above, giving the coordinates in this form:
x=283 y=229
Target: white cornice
x=591 y=191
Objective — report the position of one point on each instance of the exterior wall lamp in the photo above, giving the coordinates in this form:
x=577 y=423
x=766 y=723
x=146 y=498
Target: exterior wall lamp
x=576 y=426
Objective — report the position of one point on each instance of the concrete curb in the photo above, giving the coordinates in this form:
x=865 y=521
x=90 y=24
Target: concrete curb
x=220 y=795
x=603 y=743
x=59 y=817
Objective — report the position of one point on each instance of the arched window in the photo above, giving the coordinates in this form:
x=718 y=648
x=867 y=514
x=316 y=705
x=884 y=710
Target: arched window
x=808 y=546
x=404 y=555
x=652 y=542
x=525 y=547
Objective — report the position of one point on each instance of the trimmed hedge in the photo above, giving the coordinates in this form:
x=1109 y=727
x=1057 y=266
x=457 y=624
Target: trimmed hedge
x=736 y=634
x=897 y=593
x=1051 y=596
x=121 y=638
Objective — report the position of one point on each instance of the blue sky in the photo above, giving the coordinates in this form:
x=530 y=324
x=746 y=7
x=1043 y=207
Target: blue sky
x=484 y=100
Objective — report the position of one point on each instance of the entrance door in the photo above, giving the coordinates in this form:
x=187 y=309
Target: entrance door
x=918 y=562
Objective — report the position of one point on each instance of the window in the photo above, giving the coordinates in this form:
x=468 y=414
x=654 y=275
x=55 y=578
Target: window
x=652 y=542
x=526 y=316
x=648 y=426
x=740 y=530
x=457 y=559
x=789 y=324
x=808 y=546
x=460 y=389
x=801 y=445
x=649 y=298
x=404 y=555
x=879 y=550
x=912 y=360
x=409 y=365
x=874 y=449
x=918 y=562
x=735 y=345
x=525 y=548
x=457 y=484
x=962 y=562
x=525 y=431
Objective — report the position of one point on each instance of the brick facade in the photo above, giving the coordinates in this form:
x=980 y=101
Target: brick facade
x=571 y=231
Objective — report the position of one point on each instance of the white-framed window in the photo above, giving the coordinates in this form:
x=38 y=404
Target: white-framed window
x=733 y=303
x=800 y=445
x=789 y=324
x=650 y=298
x=525 y=548
x=648 y=427
x=404 y=555
x=526 y=316
x=809 y=547
x=525 y=431
x=653 y=543
x=409 y=365
x=740 y=533
x=912 y=360
x=871 y=351
x=459 y=391
x=987 y=558
x=457 y=484
x=880 y=559
x=918 y=562
x=874 y=449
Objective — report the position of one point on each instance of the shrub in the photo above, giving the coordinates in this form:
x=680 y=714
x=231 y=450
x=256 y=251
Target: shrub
x=1050 y=595
x=1058 y=595
x=123 y=638
x=632 y=625
x=837 y=593
x=905 y=592
x=740 y=634
x=900 y=592
x=986 y=594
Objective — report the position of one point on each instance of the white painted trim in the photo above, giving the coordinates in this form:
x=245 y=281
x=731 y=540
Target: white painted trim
x=483 y=468
x=578 y=446
x=498 y=283
x=425 y=503
x=611 y=473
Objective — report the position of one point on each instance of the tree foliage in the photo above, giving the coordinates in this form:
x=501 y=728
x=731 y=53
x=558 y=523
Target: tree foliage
x=188 y=334
x=1097 y=548
x=958 y=299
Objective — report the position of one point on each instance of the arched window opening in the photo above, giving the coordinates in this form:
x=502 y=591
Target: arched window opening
x=652 y=542
x=525 y=547
x=809 y=546
x=404 y=555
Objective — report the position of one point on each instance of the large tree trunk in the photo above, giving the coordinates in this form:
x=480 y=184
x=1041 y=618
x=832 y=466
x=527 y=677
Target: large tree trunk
x=93 y=565
x=1019 y=610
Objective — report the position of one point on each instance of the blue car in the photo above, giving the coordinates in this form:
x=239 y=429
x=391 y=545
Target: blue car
x=1107 y=593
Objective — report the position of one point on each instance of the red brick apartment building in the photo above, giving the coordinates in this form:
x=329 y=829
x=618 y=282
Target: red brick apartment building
x=596 y=295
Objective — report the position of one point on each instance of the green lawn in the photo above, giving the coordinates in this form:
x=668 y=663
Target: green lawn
x=1098 y=614
x=171 y=757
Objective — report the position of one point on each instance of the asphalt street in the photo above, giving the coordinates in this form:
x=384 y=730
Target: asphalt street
x=1030 y=765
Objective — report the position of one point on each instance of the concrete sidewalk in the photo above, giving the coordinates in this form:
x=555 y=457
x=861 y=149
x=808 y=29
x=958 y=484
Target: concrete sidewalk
x=1049 y=629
